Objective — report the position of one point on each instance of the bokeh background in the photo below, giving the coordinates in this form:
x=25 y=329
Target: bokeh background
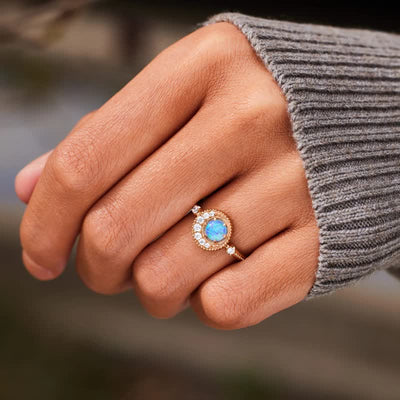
x=62 y=59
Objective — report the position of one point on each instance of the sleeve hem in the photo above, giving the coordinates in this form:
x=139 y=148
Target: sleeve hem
x=343 y=92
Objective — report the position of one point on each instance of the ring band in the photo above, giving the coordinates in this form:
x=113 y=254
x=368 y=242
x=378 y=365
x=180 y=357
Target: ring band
x=212 y=230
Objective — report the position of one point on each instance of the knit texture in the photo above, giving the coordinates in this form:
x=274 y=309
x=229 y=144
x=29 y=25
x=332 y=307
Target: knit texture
x=343 y=92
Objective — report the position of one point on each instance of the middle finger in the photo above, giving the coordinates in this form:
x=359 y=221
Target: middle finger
x=154 y=196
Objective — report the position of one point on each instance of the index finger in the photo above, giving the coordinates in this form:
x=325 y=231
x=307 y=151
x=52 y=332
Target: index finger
x=122 y=133
x=27 y=178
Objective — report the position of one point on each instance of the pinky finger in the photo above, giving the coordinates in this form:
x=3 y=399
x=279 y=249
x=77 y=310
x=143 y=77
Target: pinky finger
x=277 y=275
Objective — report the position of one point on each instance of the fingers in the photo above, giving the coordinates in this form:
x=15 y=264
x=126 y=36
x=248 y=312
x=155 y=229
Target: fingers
x=128 y=128
x=126 y=177
x=153 y=197
x=260 y=207
x=274 y=277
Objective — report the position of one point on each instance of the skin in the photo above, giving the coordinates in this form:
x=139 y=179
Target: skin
x=211 y=129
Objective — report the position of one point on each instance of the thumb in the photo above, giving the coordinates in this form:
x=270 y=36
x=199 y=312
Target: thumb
x=27 y=178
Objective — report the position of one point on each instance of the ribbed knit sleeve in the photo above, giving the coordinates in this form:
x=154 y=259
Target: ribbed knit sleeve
x=343 y=92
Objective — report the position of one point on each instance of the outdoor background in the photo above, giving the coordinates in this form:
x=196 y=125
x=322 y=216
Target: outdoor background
x=60 y=60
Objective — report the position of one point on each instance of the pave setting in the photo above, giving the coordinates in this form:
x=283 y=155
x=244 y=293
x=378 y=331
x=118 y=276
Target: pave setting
x=195 y=209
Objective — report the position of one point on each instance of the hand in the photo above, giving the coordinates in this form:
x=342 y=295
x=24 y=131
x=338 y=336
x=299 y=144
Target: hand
x=203 y=122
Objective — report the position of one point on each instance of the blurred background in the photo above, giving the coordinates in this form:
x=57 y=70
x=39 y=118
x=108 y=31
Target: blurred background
x=62 y=59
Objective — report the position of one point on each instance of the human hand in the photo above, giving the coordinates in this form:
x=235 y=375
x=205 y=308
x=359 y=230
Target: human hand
x=203 y=123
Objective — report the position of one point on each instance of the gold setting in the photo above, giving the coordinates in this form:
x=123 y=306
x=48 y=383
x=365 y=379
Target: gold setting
x=200 y=237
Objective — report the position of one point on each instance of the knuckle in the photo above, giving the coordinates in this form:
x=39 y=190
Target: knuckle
x=74 y=165
x=153 y=281
x=86 y=118
x=222 y=41
x=254 y=118
x=217 y=48
x=221 y=307
x=105 y=233
x=259 y=109
x=151 y=284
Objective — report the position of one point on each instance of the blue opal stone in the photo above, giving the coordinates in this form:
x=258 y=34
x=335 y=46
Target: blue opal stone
x=216 y=230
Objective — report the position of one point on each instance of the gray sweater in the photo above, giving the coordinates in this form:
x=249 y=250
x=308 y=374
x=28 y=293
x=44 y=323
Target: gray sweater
x=343 y=92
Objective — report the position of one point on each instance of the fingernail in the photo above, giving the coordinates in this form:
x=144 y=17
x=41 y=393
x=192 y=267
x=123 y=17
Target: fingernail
x=37 y=270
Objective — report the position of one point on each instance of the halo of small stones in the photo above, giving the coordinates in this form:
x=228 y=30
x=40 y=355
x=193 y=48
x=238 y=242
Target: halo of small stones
x=199 y=226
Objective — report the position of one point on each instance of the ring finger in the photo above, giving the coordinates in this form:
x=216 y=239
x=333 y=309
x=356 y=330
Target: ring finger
x=261 y=206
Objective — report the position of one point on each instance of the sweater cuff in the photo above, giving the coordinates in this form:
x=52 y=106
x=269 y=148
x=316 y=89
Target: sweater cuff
x=343 y=92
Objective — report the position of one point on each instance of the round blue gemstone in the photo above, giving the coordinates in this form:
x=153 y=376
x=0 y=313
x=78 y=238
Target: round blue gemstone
x=216 y=230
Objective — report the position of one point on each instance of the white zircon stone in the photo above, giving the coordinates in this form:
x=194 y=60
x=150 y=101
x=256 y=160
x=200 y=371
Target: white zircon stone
x=230 y=250
x=206 y=215
x=197 y=235
x=200 y=220
x=197 y=227
x=202 y=242
x=212 y=213
x=195 y=209
x=207 y=245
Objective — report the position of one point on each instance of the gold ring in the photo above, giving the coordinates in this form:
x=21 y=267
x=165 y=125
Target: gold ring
x=212 y=230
